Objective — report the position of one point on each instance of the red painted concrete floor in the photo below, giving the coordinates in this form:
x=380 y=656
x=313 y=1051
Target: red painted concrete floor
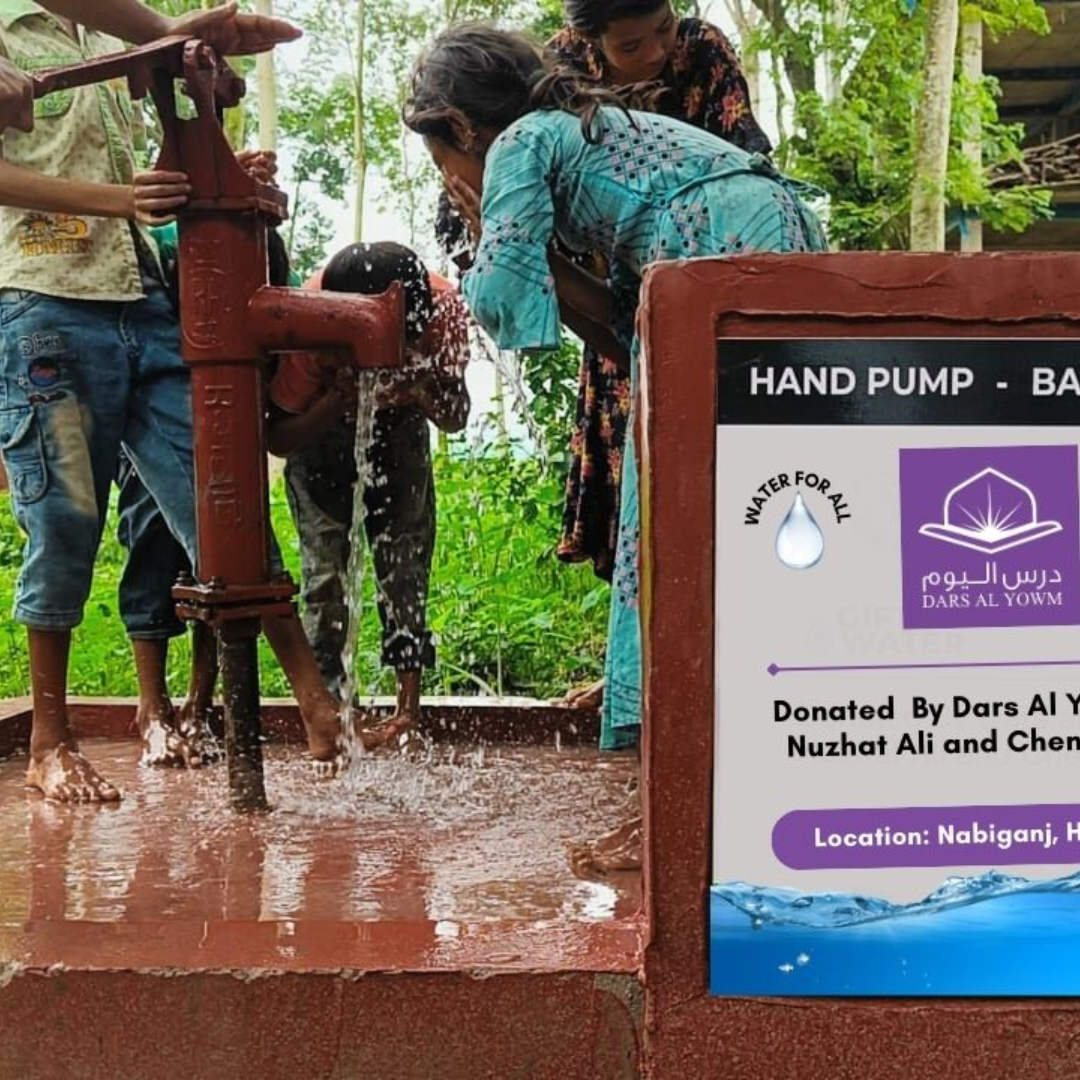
x=456 y=861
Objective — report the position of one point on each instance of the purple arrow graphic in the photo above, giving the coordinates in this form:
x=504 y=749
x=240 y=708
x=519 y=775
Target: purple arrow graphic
x=778 y=669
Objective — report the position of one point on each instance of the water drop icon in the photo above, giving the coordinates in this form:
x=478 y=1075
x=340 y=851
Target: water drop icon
x=799 y=541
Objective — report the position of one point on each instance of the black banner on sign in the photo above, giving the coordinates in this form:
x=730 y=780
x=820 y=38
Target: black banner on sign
x=891 y=381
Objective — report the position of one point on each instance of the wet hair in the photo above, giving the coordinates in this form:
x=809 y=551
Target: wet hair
x=593 y=17
x=372 y=268
x=277 y=259
x=475 y=76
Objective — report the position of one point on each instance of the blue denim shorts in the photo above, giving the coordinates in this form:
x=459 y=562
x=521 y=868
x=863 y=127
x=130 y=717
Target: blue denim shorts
x=155 y=560
x=78 y=380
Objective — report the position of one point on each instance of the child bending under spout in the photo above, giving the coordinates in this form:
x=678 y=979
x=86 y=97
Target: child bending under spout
x=312 y=424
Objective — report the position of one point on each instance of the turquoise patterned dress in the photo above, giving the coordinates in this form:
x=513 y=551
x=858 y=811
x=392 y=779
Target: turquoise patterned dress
x=647 y=188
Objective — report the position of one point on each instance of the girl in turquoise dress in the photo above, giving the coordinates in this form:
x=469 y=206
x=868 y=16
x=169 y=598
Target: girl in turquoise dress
x=531 y=156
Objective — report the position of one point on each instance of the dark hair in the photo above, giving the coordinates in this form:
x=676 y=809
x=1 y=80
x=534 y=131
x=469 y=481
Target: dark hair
x=372 y=268
x=451 y=232
x=277 y=259
x=593 y=17
x=475 y=76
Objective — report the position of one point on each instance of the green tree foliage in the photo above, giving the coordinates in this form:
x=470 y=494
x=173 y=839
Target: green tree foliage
x=318 y=122
x=508 y=615
x=855 y=112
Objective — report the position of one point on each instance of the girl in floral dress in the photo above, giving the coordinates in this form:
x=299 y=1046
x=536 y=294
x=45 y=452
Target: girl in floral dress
x=619 y=43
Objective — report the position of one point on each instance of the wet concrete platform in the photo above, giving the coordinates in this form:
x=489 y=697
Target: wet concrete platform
x=449 y=868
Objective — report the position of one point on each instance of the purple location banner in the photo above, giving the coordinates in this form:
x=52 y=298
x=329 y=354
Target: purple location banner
x=929 y=836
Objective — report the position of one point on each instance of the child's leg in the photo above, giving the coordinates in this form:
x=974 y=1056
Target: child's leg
x=318 y=486
x=148 y=612
x=620 y=849
x=319 y=708
x=158 y=438
x=195 y=712
x=64 y=388
x=159 y=731
x=408 y=693
x=620 y=724
x=400 y=527
x=56 y=767
x=158 y=432
x=590 y=696
x=399 y=729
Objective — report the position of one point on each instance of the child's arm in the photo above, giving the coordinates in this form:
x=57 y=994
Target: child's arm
x=224 y=28
x=584 y=305
x=444 y=400
x=288 y=432
x=439 y=389
x=151 y=197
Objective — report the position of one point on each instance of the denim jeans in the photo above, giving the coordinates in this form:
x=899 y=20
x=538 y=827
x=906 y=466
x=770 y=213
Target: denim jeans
x=79 y=380
x=155 y=560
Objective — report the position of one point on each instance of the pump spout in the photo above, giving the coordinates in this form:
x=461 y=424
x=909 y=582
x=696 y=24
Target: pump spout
x=370 y=328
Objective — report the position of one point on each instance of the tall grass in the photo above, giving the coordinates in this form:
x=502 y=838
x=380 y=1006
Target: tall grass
x=508 y=617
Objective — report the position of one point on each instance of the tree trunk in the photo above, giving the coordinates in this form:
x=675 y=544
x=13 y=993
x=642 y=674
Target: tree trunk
x=783 y=149
x=834 y=79
x=746 y=21
x=971 y=65
x=266 y=88
x=932 y=128
x=800 y=73
x=359 y=151
x=410 y=190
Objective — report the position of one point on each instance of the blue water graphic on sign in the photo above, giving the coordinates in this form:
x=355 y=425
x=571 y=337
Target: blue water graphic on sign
x=988 y=935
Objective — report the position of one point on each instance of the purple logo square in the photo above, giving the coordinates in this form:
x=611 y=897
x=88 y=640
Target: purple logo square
x=989 y=536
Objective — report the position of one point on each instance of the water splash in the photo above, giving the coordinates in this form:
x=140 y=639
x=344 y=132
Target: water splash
x=799 y=540
x=366 y=383
x=510 y=388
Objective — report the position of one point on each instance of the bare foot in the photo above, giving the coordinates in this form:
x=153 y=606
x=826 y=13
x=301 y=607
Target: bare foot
x=328 y=768
x=583 y=697
x=412 y=745
x=330 y=752
x=615 y=851
x=388 y=732
x=163 y=740
x=64 y=775
x=332 y=757
x=323 y=727
x=194 y=725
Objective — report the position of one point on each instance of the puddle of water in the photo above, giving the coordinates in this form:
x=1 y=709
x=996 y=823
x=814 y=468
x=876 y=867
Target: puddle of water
x=465 y=835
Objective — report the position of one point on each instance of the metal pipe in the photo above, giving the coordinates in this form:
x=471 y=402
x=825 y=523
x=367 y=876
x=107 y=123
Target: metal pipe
x=370 y=328
x=238 y=657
